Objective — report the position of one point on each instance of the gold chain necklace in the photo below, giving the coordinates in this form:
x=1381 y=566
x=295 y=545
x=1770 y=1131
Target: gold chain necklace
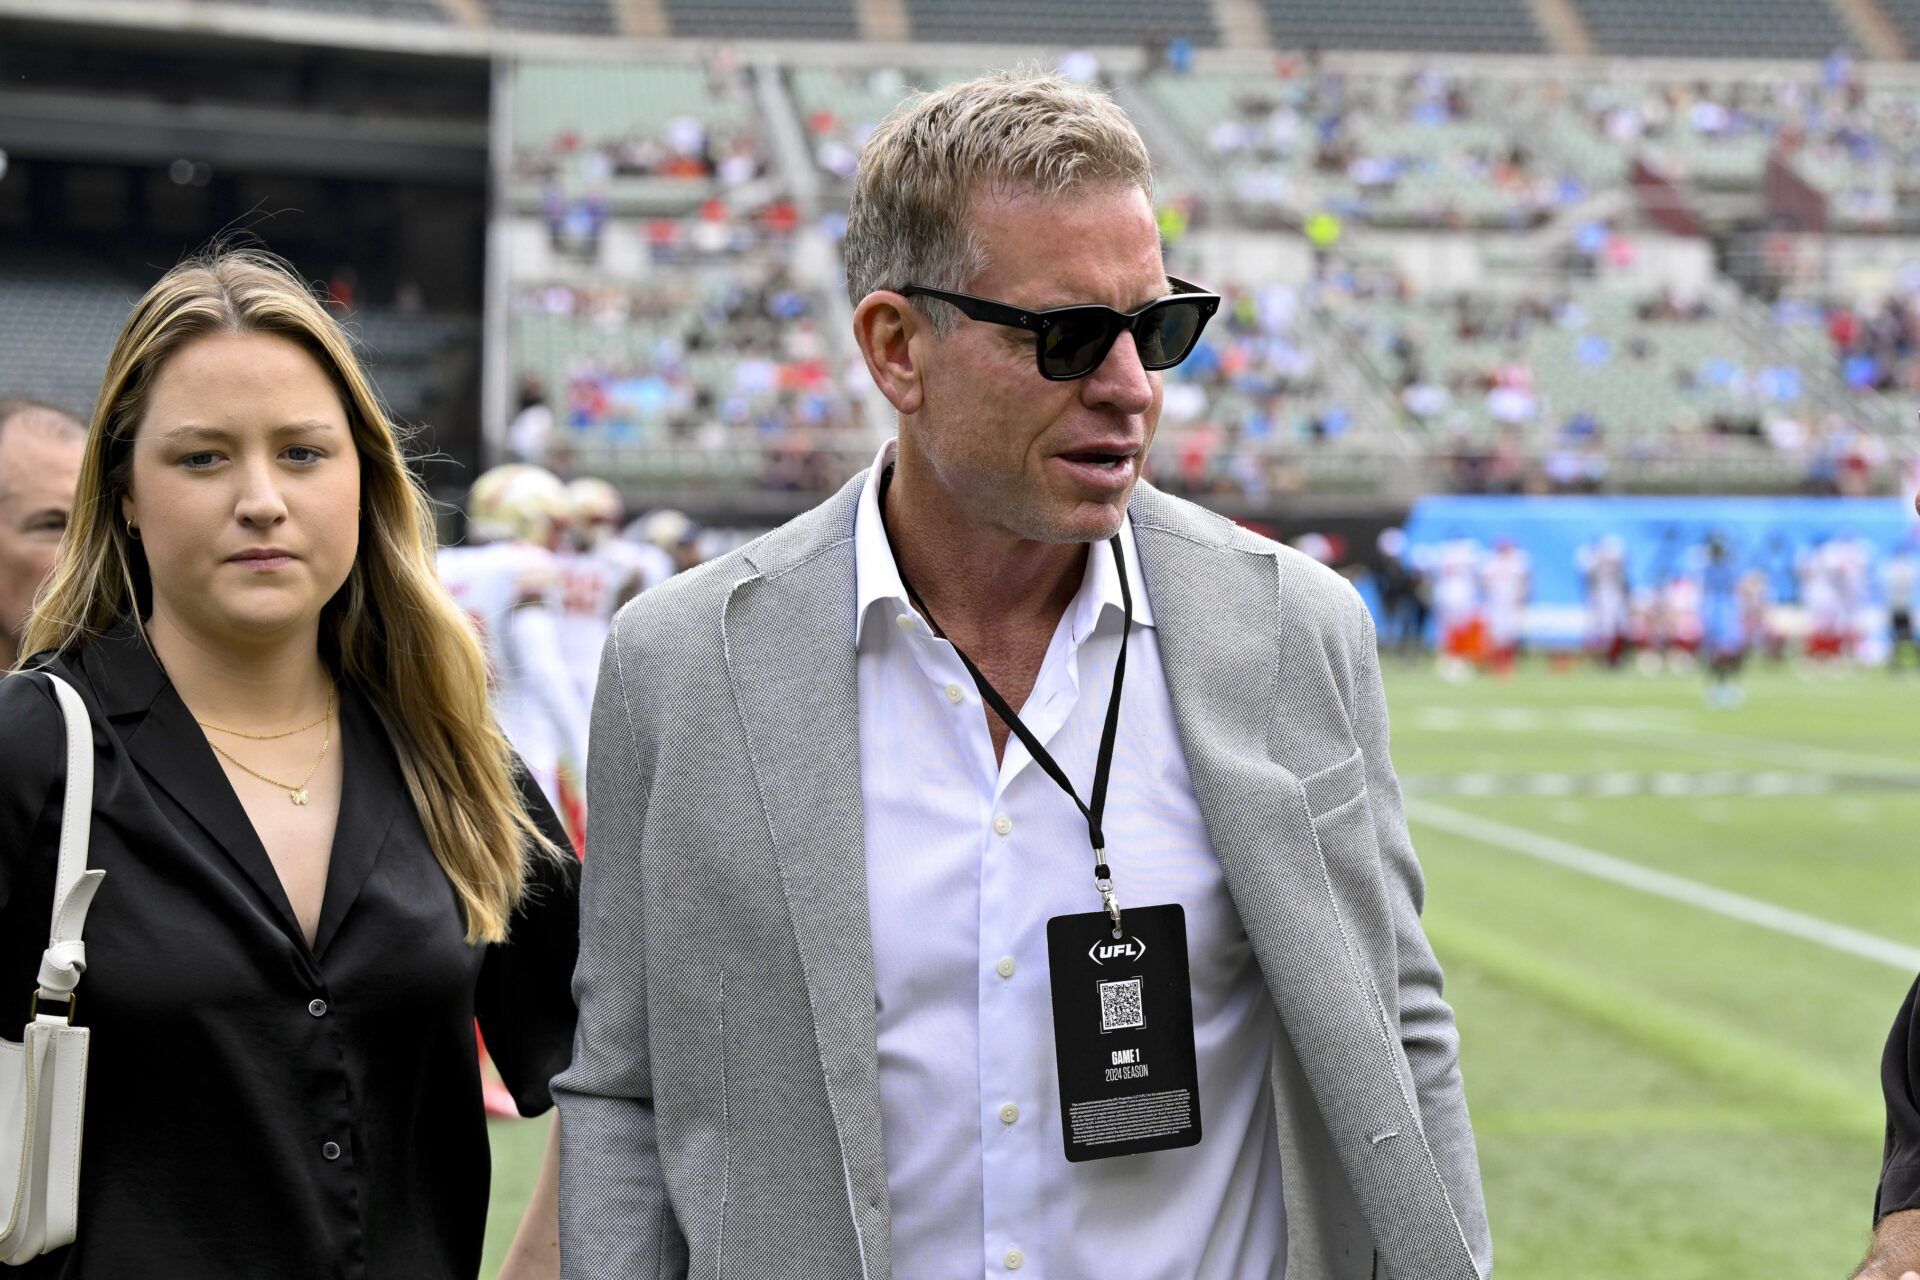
x=274 y=737
x=295 y=792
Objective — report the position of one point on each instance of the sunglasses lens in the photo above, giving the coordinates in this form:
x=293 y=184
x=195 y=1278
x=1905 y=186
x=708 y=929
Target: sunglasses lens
x=1167 y=333
x=1073 y=345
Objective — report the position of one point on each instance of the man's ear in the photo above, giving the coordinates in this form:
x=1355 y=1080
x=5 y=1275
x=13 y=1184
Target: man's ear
x=892 y=333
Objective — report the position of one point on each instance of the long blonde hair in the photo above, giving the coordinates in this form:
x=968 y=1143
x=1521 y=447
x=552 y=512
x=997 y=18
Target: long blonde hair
x=392 y=629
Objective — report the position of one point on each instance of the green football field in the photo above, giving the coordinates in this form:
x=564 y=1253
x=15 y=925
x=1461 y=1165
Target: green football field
x=1675 y=939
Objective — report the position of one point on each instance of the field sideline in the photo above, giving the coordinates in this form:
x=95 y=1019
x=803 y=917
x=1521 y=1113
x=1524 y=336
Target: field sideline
x=1675 y=939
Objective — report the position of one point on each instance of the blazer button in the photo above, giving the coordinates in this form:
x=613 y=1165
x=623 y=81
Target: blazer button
x=317 y=1007
x=331 y=1150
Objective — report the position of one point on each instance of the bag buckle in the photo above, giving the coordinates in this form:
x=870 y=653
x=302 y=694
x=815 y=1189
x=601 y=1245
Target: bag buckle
x=33 y=1006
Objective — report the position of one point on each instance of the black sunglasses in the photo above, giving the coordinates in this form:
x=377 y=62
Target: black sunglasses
x=1074 y=340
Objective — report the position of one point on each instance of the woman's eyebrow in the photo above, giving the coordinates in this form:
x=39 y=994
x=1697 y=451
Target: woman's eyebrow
x=219 y=435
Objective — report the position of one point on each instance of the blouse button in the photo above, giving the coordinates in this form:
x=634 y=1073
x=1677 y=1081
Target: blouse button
x=331 y=1151
x=317 y=1007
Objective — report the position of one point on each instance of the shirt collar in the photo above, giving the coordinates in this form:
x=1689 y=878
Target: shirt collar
x=877 y=577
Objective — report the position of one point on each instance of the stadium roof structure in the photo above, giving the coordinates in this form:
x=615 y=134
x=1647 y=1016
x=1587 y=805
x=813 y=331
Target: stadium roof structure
x=1228 y=34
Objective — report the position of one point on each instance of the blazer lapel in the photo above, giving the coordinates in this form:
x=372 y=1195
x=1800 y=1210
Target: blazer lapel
x=1217 y=609
x=789 y=653
x=371 y=787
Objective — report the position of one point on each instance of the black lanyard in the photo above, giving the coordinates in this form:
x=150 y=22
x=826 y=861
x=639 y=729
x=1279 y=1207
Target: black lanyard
x=1096 y=807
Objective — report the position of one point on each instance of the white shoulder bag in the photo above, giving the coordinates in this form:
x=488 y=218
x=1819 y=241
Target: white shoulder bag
x=43 y=1079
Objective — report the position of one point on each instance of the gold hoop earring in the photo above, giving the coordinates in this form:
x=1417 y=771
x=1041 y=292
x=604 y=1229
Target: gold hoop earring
x=133 y=531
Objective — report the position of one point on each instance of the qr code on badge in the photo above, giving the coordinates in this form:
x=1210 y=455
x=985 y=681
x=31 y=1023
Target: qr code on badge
x=1120 y=1005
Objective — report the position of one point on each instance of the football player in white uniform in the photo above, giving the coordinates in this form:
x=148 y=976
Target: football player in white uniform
x=599 y=572
x=508 y=581
x=1506 y=583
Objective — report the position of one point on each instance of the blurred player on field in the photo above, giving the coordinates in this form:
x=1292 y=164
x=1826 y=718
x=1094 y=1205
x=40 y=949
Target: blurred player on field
x=599 y=572
x=673 y=535
x=1456 y=608
x=1900 y=579
x=1823 y=595
x=508 y=580
x=1603 y=575
x=1507 y=583
x=1723 y=625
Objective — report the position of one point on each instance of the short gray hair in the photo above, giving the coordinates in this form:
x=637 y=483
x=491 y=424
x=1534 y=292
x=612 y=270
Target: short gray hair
x=907 y=222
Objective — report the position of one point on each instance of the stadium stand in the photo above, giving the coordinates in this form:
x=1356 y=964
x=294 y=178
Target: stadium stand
x=1905 y=16
x=1436 y=26
x=766 y=19
x=713 y=371
x=1427 y=150
x=634 y=135
x=60 y=313
x=410 y=10
x=1063 y=23
x=839 y=107
x=1713 y=28
x=574 y=17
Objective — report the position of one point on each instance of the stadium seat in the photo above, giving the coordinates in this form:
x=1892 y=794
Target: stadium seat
x=765 y=19
x=1713 y=28
x=1437 y=26
x=575 y=17
x=1063 y=23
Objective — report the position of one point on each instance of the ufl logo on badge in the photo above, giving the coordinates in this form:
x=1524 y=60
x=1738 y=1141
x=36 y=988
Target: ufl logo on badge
x=1125 y=949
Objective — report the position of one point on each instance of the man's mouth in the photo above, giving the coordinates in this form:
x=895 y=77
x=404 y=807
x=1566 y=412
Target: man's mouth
x=1099 y=458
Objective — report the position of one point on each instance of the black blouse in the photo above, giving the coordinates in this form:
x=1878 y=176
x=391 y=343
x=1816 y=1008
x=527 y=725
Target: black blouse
x=257 y=1108
x=1900 y=1081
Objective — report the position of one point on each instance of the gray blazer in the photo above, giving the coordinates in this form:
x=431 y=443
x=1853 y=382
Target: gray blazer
x=721 y=1117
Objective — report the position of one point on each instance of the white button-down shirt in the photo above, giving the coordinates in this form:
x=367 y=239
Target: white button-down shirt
x=967 y=859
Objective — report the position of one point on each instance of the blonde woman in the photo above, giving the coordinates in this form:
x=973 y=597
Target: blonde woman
x=321 y=862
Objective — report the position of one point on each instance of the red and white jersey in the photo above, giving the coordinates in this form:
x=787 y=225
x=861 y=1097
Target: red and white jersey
x=1852 y=568
x=1507 y=577
x=1456 y=588
x=593 y=586
x=1605 y=572
x=1685 y=623
x=510 y=592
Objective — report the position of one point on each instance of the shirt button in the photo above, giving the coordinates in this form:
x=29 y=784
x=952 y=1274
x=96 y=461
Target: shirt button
x=1013 y=1259
x=1002 y=824
x=318 y=1008
x=331 y=1150
x=906 y=622
x=1009 y=1114
x=1005 y=967
x=955 y=694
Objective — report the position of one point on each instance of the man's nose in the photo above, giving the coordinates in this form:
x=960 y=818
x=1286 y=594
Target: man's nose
x=1121 y=381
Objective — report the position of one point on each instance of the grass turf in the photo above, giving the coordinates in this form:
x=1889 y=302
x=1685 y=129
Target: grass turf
x=1658 y=1090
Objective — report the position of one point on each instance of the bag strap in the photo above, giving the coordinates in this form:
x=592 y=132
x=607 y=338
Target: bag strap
x=74 y=884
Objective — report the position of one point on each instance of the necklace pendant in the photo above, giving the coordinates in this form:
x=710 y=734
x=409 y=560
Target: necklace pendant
x=298 y=797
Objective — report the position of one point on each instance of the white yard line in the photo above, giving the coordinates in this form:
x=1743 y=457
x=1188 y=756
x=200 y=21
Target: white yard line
x=1718 y=746
x=1734 y=906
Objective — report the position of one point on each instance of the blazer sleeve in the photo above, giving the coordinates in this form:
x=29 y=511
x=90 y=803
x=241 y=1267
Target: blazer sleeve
x=615 y=1218
x=524 y=1002
x=1900 y=1082
x=32 y=788
x=1427 y=1031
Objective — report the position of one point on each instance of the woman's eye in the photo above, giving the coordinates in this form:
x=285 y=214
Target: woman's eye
x=199 y=461
x=304 y=453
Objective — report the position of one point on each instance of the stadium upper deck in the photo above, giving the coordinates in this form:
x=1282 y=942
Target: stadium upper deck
x=1636 y=28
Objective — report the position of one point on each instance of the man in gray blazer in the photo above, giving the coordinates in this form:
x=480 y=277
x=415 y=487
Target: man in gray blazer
x=870 y=796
